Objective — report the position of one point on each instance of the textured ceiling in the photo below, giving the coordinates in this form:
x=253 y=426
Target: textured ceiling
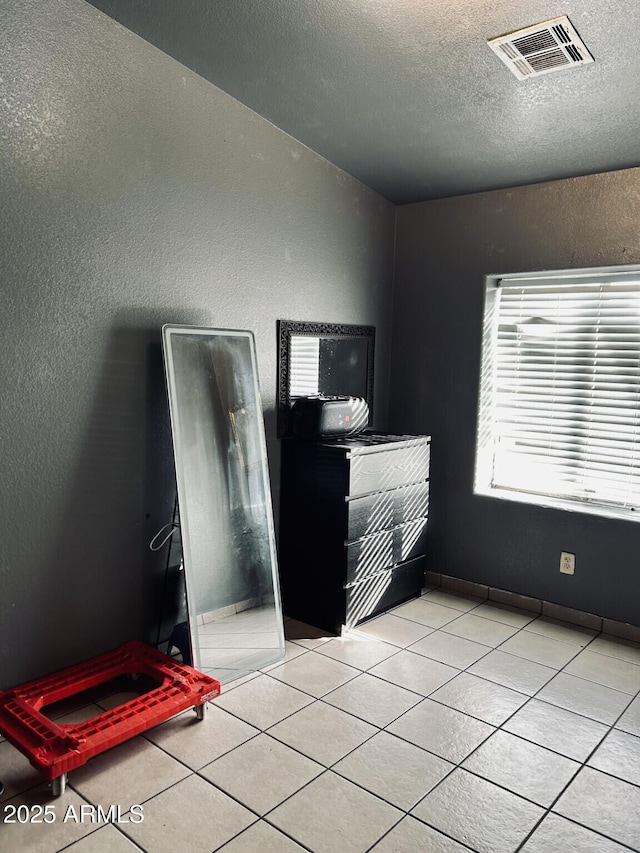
x=405 y=94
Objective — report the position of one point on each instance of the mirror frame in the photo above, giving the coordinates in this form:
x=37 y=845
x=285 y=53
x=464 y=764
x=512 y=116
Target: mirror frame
x=290 y=328
x=199 y=492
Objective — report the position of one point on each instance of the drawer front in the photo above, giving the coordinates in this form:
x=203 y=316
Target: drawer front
x=388 y=469
x=384 y=549
x=371 y=513
x=384 y=590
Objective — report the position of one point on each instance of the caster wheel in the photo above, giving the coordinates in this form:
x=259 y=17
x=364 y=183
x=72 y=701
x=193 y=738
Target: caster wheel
x=58 y=785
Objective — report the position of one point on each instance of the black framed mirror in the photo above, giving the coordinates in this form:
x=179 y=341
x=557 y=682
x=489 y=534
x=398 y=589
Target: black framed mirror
x=323 y=358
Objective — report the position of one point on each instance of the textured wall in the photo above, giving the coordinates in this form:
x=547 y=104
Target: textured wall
x=134 y=193
x=444 y=250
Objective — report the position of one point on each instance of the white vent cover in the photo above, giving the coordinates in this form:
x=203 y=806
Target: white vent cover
x=549 y=46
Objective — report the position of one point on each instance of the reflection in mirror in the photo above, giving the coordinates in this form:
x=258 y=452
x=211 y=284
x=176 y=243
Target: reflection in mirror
x=323 y=358
x=226 y=521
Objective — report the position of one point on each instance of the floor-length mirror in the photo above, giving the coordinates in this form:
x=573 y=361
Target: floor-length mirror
x=226 y=519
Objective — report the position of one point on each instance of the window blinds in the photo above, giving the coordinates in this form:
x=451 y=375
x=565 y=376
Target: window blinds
x=561 y=388
x=304 y=377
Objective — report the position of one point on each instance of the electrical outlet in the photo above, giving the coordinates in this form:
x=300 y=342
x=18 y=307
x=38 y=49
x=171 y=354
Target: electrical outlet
x=567 y=563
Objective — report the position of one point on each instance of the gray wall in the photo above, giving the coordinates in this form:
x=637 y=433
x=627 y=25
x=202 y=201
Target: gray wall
x=134 y=194
x=444 y=250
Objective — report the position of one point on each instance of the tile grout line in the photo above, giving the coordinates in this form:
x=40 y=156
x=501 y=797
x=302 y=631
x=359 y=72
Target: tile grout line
x=581 y=765
x=455 y=765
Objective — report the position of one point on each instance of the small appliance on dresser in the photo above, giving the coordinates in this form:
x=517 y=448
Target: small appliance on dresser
x=353 y=517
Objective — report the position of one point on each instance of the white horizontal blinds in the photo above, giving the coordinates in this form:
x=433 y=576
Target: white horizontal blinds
x=304 y=378
x=566 y=407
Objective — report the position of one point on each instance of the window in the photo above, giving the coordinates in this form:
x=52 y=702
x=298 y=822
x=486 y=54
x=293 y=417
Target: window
x=559 y=413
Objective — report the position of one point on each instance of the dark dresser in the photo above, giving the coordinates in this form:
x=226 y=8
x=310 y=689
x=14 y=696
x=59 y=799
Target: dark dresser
x=353 y=517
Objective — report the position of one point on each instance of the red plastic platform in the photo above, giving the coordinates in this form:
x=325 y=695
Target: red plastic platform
x=56 y=748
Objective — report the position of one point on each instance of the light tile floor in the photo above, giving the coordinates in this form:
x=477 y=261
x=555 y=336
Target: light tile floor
x=447 y=725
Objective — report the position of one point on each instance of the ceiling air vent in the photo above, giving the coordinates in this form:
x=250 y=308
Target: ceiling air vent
x=548 y=46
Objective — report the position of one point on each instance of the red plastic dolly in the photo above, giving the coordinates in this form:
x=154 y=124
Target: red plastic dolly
x=56 y=748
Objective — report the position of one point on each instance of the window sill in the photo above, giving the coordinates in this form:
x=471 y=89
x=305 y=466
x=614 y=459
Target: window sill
x=613 y=512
